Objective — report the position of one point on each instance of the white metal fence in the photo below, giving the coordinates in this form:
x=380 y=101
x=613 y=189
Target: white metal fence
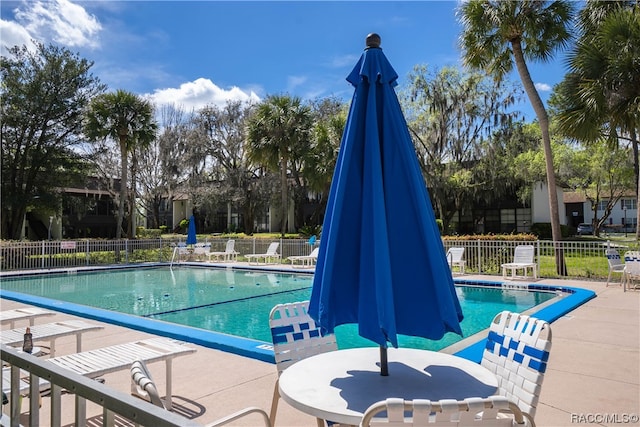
x=583 y=259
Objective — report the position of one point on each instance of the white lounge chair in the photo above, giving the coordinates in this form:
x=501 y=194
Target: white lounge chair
x=470 y=412
x=517 y=352
x=269 y=256
x=454 y=258
x=305 y=260
x=229 y=253
x=523 y=259
x=23 y=313
x=631 y=270
x=50 y=332
x=200 y=250
x=101 y=361
x=142 y=385
x=615 y=265
x=295 y=336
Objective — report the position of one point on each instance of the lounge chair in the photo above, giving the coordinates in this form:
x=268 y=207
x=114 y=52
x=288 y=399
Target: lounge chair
x=477 y=411
x=615 y=265
x=269 y=256
x=305 y=260
x=101 y=361
x=454 y=258
x=523 y=259
x=295 y=336
x=201 y=250
x=142 y=385
x=23 y=313
x=517 y=352
x=50 y=331
x=631 y=270
x=229 y=253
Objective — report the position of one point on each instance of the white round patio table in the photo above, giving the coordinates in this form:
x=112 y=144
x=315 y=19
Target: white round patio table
x=340 y=385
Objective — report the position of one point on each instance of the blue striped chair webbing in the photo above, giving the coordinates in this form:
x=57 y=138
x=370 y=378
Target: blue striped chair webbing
x=537 y=358
x=279 y=333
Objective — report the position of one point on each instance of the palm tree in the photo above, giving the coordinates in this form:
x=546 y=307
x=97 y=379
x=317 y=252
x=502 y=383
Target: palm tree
x=496 y=34
x=277 y=134
x=600 y=97
x=127 y=119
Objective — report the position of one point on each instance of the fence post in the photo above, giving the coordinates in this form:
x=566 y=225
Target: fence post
x=126 y=251
x=479 y=257
x=43 y=254
x=88 y=257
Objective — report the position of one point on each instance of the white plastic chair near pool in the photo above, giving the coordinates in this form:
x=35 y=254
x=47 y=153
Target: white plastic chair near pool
x=50 y=332
x=23 y=313
x=142 y=385
x=450 y=412
x=269 y=256
x=305 y=260
x=615 y=265
x=454 y=258
x=523 y=259
x=295 y=336
x=517 y=352
x=631 y=278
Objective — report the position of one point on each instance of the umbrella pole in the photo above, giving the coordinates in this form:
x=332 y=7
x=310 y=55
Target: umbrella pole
x=384 y=367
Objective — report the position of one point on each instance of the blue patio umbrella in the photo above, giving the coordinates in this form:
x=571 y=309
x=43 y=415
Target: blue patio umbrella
x=191 y=231
x=381 y=262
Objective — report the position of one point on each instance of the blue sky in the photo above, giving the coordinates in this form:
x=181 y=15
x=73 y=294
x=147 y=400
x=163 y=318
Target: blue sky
x=193 y=53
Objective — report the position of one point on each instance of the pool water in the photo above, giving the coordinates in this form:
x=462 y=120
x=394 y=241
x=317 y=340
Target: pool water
x=238 y=302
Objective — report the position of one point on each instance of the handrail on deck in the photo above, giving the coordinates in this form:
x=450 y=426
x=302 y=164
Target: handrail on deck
x=112 y=401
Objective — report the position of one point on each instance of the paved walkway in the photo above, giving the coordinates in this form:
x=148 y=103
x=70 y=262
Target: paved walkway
x=593 y=376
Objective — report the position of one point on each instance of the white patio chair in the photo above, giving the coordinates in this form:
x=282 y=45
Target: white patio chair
x=523 y=259
x=305 y=260
x=488 y=411
x=631 y=270
x=517 y=352
x=142 y=386
x=295 y=336
x=454 y=258
x=271 y=254
x=615 y=264
x=229 y=253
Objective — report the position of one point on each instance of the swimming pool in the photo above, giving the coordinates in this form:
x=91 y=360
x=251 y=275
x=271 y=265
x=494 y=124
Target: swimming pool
x=227 y=301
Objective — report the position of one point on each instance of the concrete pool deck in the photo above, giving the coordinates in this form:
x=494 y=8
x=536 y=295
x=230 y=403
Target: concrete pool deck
x=593 y=377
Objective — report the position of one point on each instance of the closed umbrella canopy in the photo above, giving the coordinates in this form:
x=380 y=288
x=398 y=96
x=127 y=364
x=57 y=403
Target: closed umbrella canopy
x=381 y=263
x=191 y=232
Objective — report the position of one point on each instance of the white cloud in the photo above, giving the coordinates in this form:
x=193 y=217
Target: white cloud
x=200 y=93
x=344 y=61
x=60 y=21
x=14 y=34
x=543 y=87
x=295 y=81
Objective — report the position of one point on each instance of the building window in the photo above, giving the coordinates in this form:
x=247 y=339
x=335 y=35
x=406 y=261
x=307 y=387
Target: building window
x=629 y=204
x=602 y=204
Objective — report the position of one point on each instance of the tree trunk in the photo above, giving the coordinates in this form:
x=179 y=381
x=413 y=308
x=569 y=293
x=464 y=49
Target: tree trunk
x=124 y=165
x=543 y=119
x=284 y=193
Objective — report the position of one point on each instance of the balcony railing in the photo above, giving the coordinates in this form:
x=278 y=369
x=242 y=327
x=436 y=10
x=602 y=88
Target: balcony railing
x=114 y=403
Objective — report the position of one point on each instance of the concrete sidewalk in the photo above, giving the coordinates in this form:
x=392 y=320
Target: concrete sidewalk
x=593 y=376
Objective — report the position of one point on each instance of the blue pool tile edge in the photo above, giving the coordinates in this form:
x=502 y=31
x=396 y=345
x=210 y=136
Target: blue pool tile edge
x=232 y=344
x=574 y=298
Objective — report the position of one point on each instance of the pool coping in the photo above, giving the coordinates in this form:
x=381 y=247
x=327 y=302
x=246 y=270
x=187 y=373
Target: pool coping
x=571 y=299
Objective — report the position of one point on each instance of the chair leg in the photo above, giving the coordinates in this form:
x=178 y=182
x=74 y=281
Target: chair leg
x=274 y=404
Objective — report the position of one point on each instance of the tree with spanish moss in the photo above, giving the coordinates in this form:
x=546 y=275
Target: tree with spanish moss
x=497 y=34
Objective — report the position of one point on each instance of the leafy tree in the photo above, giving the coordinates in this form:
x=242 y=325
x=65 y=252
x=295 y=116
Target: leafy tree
x=451 y=116
x=498 y=33
x=278 y=133
x=43 y=94
x=128 y=120
x=234 y=180
x=600 y=97
x=330 y=118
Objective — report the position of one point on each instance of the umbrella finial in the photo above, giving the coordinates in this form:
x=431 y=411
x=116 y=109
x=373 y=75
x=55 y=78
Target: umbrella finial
x=373 y=40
